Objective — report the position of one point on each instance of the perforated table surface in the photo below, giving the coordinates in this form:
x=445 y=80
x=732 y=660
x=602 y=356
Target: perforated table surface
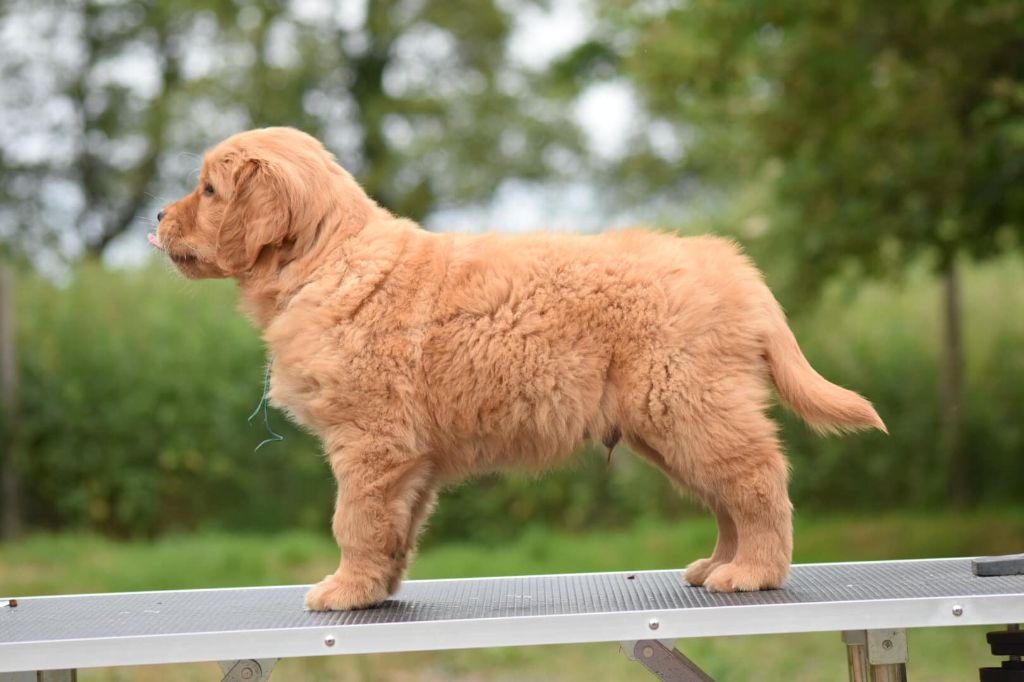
x=80 y=631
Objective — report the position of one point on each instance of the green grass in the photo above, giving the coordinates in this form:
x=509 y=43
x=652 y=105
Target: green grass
x=65 y=564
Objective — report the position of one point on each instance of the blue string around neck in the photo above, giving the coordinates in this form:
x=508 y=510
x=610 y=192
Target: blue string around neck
x=264 y=405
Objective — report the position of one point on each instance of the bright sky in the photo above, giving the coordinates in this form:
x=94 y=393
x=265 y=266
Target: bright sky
x=605 y=111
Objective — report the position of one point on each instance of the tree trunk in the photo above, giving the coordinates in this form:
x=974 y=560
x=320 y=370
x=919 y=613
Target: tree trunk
x=954 y=453
x=10 y=508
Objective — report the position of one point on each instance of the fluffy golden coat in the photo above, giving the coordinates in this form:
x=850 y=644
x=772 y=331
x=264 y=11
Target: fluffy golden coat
x=420 y=358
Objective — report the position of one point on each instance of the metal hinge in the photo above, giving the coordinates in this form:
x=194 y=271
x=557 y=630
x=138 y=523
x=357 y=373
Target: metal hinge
x=664 y=660
x=248 y=670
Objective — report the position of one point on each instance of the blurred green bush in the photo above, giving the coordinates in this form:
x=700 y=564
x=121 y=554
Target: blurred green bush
x=136 y=387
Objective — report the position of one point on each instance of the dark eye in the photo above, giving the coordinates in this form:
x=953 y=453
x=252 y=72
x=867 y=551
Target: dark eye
x=208 y=190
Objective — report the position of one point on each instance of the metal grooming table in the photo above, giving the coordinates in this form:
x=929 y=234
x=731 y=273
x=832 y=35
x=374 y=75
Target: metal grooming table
x=249 y=628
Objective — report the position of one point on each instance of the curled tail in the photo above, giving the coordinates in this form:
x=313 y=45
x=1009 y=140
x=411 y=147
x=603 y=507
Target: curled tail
x=825 y=406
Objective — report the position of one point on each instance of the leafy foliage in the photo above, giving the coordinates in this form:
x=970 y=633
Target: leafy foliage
x=882 y=130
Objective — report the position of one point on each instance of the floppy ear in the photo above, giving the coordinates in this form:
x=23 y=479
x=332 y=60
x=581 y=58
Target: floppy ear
x=258 y=216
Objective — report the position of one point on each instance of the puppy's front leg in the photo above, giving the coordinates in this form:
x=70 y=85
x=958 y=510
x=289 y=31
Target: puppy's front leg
x=377 y=488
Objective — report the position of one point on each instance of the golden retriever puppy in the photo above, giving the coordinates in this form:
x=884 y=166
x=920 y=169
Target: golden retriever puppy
x=420 y=358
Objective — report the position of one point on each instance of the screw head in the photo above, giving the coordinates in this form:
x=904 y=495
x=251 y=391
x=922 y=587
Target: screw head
x=329 y=640
x=247 y=673
x=654 y=624
x=886 y=643
x=648 y=651
x=958 y=610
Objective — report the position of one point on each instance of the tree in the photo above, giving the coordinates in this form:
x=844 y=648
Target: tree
x=10 y=488
x=418 y=99
x=880 y=133
x=86 y=141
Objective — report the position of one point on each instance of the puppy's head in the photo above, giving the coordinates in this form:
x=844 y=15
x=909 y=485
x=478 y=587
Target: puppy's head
x=264 y=198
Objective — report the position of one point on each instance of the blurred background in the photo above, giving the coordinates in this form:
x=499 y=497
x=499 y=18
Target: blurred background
x=869 y=155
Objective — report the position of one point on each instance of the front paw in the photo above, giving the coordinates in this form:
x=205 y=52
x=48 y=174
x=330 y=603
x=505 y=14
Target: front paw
x=341 y=592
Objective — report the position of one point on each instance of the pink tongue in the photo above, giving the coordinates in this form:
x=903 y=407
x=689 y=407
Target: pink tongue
x=154 y=239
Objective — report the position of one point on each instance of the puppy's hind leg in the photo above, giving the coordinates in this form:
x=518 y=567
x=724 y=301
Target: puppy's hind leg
x=743 y=478
x=725 y=546
x=754 y=493
x=719 y=443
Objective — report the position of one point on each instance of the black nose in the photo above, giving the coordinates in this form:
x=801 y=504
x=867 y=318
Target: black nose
x=159 y=216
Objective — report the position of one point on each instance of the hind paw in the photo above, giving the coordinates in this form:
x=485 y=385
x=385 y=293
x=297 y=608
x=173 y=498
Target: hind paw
x=697 y=572
x=733 y=577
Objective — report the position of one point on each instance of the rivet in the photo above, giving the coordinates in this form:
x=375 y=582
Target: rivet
x=648 y=651
x=654 y=624
x=329 y=640
x=958 y=610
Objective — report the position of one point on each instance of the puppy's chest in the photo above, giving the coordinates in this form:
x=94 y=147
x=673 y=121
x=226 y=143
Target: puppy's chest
x=358 y=374
x=294 y=393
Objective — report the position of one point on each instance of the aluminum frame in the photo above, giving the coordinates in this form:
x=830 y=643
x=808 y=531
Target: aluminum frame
x=425 y=635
